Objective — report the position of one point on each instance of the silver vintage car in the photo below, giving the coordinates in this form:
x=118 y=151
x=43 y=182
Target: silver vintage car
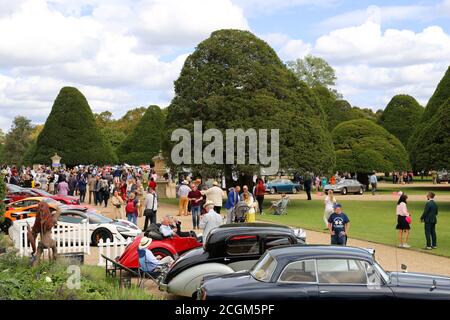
x=346 y=186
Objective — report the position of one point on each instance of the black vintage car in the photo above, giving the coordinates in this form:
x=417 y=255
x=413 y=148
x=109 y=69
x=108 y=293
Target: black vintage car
x=322 y=272
x=228 y=248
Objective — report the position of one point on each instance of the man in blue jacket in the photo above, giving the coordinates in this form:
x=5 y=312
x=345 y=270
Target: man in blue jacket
x=232 y=200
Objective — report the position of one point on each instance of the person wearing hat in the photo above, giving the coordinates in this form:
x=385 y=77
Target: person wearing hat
x=338 y=224
x=209 y=220
x=147 y=260
x=183 y=193
x=215 y=195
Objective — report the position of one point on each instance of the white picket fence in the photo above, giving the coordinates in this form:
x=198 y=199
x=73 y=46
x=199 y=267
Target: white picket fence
x=69 y=237
x=111 y=249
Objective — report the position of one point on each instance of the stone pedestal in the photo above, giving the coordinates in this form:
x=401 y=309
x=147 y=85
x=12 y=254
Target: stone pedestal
x=165 y=189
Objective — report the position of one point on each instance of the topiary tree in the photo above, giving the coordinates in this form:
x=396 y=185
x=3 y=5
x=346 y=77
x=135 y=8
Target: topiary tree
x=433 y=142
x=401 y=116
x=70 y=131
x=144 y=142
x=235 y=80
x=362 y=146
x=439 y=97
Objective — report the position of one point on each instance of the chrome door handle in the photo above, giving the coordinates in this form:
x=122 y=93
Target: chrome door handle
x=226 y=259
x=324 y=291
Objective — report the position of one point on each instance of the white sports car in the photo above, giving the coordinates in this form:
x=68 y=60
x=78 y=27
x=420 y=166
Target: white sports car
x=100 y=227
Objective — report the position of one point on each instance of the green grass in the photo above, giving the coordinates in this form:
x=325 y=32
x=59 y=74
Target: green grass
x=370 y=220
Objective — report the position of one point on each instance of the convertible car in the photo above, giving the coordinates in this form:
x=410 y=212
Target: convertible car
x=228 y=248
x=346 y=186
x=169 y=246
x=322 y=272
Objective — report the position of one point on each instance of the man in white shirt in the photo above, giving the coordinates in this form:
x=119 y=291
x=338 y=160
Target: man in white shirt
x=215 y=195
x=150 y=207
x=210 y=220
x=166 y=228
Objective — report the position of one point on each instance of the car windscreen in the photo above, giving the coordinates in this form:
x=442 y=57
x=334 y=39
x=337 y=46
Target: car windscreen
x=43 y=193
x=264 y=268
x=95 y=217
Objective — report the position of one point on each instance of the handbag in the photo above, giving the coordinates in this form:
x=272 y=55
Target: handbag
x=408 y=219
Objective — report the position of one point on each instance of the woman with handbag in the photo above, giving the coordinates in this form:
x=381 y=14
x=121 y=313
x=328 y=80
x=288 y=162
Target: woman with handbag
x=117 y=202
x=403 y=222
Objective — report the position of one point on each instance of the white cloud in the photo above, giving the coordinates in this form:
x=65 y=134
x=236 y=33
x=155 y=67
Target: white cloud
x=267 y=6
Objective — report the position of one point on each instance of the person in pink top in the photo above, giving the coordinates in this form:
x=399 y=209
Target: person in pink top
x=63 y=188
x=403 y=221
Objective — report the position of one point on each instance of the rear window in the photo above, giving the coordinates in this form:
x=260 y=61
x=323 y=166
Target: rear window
x=242 y=245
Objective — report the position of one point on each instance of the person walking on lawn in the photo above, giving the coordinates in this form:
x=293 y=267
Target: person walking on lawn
x=260 y=190
x=403 y=221
x=373 y=182
x=330 y=201
x=338 y=224
x=429 y=217
x=232 y=200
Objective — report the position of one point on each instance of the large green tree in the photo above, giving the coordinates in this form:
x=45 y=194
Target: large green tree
x=401 y=116
x=363 y=146
x=70 y=131
x=17 y=141
x=144 y=142
x=315 y=72
x=235 y=80
x=433 y=141
x=415 y=145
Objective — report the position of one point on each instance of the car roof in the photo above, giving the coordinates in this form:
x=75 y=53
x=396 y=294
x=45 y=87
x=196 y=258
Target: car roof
x=300 y=252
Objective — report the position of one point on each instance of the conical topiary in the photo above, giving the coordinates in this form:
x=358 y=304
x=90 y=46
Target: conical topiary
x=144 y=142
x=70 y=131
x=401 y=116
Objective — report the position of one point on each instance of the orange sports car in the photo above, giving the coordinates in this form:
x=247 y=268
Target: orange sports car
x=29 y=204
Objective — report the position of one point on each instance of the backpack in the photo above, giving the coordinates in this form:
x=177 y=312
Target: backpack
x=130 y=207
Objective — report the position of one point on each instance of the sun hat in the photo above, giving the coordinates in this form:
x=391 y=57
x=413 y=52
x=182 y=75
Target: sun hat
x=184 y=182
x=215 y=183
x=337 y=205
x=208 y=203
x=145 y=242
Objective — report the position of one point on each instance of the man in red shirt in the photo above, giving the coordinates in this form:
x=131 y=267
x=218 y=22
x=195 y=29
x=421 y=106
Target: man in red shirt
x=152 y=184
x=195 y=197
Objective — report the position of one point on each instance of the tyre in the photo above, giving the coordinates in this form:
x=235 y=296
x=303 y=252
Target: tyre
x=103 y=234
x=4 y=227
x=294 y=190
x=361 y=191
x=162 y=252
x=344 y=191
x=273 y=190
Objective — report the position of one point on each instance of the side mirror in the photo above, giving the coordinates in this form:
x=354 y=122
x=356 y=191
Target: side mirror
x=404 y=268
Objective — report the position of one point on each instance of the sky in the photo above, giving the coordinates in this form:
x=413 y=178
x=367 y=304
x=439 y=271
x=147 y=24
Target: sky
x=123 y=54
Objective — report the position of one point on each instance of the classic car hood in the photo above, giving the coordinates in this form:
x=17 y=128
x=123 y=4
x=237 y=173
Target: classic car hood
x=419 y=279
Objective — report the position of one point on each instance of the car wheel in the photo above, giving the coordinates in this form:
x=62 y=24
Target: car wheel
x=361 y=190
x=344 y=191
x=162 y=252
x=4 y=227
x=103 y=234
x=294 y=190
x=273 y=190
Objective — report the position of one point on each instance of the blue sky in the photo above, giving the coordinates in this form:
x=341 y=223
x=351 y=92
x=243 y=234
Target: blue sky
x=127 y=53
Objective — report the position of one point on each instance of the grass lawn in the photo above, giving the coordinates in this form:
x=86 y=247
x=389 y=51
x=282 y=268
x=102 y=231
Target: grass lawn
x=370 y=220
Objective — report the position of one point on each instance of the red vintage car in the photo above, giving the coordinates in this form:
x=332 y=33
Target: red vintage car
x=171 y=246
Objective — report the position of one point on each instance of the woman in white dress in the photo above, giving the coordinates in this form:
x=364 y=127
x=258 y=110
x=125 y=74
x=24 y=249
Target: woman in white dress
x=330 y=200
